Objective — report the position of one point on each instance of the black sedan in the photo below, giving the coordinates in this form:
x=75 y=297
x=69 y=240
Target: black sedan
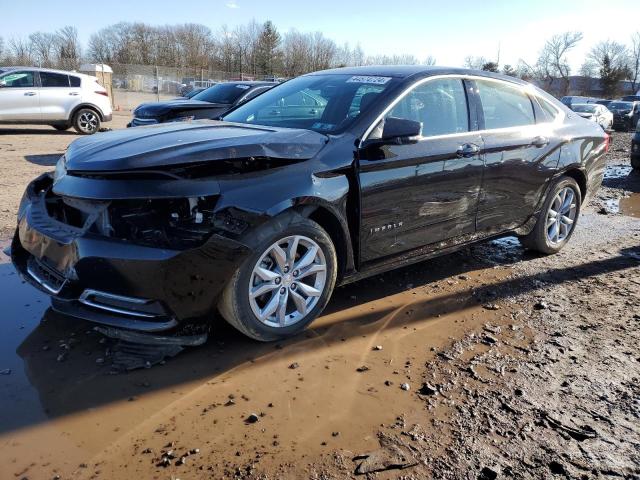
x=320 y=181
x=209 y=103
x=625 y=114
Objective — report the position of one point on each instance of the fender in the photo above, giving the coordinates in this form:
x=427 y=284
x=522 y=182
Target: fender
x=87 y=105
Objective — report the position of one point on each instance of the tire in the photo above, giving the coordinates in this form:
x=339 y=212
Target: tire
x=539 y=239
x=86 y=121
x=242 y=310
x=61 y=128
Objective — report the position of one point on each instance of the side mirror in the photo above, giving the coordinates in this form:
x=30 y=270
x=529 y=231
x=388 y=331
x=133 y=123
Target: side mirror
x=3 y=84
x=400 y=129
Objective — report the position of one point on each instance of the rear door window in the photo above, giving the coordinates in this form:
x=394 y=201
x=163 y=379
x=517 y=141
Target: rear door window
x=50 y=79
x=504 y=106
x=440 y=105
x=74 y=81
x=550 y=112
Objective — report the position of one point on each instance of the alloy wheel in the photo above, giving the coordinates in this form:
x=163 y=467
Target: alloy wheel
x=561 y=216
x=287 y=281
x=88 y=122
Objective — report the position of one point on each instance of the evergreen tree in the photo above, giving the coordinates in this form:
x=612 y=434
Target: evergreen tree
x=268 y=53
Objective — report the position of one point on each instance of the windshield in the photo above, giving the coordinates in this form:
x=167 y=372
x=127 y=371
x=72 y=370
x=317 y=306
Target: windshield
x=584 y=108
x=323 y=103
x=620 y=106
x=222 y=93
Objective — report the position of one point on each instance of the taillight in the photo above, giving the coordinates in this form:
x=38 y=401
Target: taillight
x=607 y=142
x=102 y=92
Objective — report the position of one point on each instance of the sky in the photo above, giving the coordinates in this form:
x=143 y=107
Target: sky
x=448 y=31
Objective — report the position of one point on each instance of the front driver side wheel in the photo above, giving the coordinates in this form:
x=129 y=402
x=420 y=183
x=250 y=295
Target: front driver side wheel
x=285 y=283
x=557 y=219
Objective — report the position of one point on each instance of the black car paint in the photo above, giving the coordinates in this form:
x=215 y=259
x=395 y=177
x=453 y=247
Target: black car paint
x=384 y=205
x=160 y=112
x=635 y=147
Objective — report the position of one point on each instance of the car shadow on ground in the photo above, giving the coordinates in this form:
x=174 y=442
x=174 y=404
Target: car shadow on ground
x=79 y=383
x=35 y=131
x=48 y=160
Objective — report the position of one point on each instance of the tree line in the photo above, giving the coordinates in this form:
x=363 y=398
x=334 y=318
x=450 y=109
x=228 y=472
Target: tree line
x=607 y=60
x=260 y=49
x=253 y=48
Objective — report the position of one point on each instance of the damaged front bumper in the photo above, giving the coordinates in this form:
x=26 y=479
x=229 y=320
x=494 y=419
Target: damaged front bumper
x=112 y=281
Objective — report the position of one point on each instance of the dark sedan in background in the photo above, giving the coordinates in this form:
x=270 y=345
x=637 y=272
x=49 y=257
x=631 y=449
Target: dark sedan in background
x=625 y=114
x=209 y=103
x=323 y=180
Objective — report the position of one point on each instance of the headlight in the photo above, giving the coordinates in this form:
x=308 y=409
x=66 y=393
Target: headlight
x=61 y=169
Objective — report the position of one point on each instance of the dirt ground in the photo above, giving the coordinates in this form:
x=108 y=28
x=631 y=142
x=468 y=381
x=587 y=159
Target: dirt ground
x=487 y=363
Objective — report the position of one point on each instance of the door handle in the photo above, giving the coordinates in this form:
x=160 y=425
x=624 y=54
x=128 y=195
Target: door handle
x=540 y=142
x=467 y=150
x=313 y=111
x=75 y=94
x=29 y=94
x=275 y=112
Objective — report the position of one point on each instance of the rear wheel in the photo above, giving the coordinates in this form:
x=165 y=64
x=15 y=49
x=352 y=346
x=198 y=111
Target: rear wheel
x=285 y=284
x=86 y=121
x=557 y=219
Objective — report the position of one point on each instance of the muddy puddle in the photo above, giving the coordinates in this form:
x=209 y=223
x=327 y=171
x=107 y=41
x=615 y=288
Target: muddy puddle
x=64 y=413
x=631 y=205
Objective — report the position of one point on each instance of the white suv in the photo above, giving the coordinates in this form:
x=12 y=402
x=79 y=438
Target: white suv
x=53 y=97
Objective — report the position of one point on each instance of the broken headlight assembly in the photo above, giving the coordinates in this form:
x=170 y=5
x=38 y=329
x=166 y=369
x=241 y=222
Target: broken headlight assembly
x=177 y=223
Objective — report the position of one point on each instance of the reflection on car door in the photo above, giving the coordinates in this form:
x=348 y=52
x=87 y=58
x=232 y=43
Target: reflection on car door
x=57 y=97
x=424 y=192
x=520 y=156
x=19 y=97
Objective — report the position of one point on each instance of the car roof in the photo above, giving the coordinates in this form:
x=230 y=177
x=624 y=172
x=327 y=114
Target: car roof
x=406 y=71
x=39 y=69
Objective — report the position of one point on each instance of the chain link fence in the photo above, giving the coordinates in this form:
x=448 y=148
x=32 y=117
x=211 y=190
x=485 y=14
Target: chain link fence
x=135 y=84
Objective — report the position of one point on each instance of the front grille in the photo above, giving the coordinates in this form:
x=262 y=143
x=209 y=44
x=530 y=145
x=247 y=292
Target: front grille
x=47 y=277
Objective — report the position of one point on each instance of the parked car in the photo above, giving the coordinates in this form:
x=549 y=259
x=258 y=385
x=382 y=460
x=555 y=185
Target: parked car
x=61 y=99
x=210 y=103
x=604 y=102
x=572 y=99
x=264 y=213
x=625 y=114
x=631 y=98
x=193 y=93
x=595 y=112
x=635 y=149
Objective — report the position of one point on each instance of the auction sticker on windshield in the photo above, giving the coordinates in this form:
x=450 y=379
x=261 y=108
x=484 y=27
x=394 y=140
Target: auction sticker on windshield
x=369 y=79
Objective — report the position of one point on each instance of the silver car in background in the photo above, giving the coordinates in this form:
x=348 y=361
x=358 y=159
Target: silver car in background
x=53 y=97
x=595 y=112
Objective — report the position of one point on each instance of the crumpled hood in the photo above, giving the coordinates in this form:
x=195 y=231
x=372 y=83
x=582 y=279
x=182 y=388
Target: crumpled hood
x=182 y=143
x=160 y=109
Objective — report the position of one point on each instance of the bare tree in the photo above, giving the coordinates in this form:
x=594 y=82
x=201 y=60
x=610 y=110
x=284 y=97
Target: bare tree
x=67 y=48
x=634 y=61
x=43 y=48
x=358 y=56
x=617 y=54
x=555 y=53
x=474 y=63
x=430 y=60
x=20 y=50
